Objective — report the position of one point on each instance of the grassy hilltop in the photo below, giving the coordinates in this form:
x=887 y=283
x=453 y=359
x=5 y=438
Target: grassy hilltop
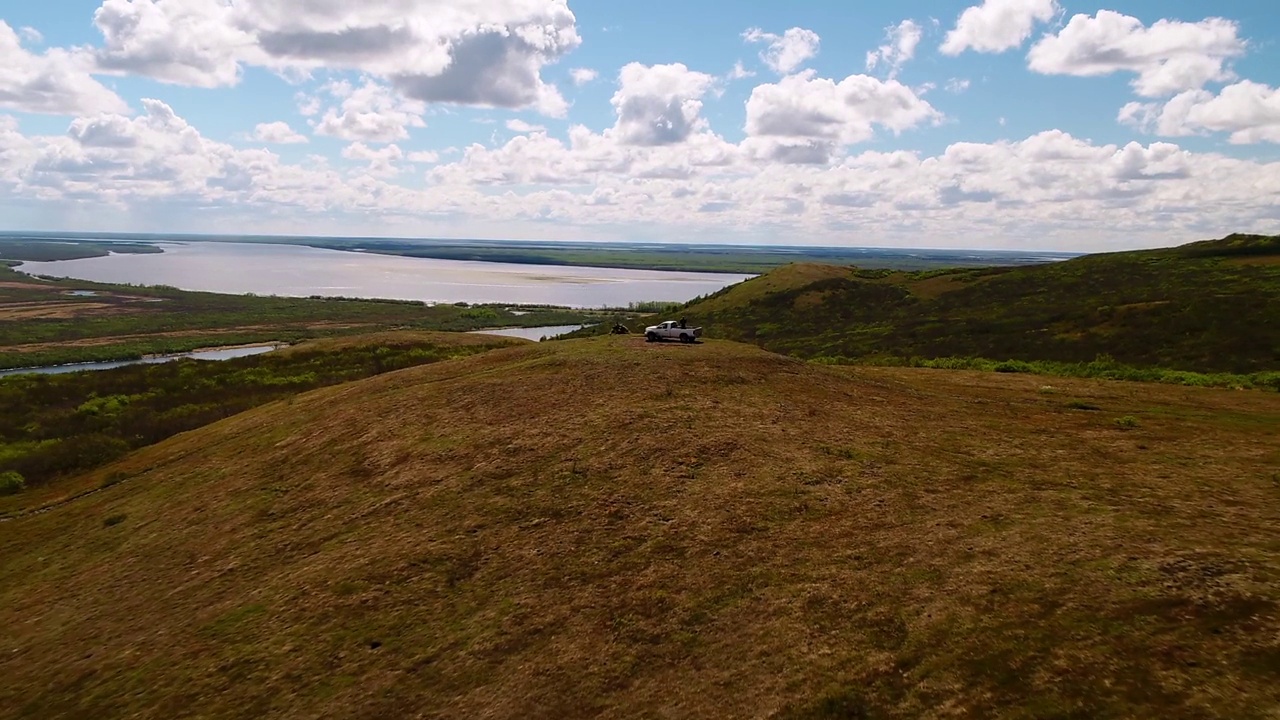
x=1211 y=307
x=607 y=528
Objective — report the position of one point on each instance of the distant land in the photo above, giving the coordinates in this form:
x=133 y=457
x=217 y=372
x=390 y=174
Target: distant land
x=752 y=259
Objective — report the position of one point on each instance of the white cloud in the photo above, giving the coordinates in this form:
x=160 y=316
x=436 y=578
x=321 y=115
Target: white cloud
x=370 y=112
x=187 y=42
x=582 y=76
x=520 y=126
x=30 y=35
x=956 y=86
x=56 y=82
x=997 y=25
x=467 y=52
x=1061 y=190
x=900 y=48
x=659 y=104
x=308 y=105
x=739 y=72
x=277 y=132
x=1249 y=111
x=804 y=119
x=381 y=161
x=423 y=157
x=786 y=52
x=1169 y=57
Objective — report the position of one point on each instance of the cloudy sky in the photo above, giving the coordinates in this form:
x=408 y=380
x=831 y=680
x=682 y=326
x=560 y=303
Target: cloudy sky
x=1048 y=124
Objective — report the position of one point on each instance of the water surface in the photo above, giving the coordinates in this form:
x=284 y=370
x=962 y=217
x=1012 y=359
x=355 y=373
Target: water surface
x=297 y=271
x=215 y=354
x=532 y=333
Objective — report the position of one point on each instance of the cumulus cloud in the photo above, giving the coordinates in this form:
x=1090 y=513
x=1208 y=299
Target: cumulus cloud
x=187 y=42
x=520 y=126
x=659 y=104
x=956 y=86
x=423 y=157
x=997 y=25
x=1249 y=111
x=1053 y=186
x=900 y=48
x=278 y=133
x=370 y=112
x=381 y=161
x=739 y=72
x=786 y=52
x=56 y=82
x=1169 y=57
x=583 y=76
x=468 y=52
x=804 y=119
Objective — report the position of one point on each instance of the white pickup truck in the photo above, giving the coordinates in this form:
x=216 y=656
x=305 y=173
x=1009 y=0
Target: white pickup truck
x=672 y=330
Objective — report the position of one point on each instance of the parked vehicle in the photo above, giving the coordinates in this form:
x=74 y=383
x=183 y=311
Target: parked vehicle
x=672 y=330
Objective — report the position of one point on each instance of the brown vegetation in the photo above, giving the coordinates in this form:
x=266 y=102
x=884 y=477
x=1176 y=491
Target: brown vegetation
x=609 y=528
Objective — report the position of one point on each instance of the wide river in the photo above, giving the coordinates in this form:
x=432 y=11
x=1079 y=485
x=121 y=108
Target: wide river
x=295 y=270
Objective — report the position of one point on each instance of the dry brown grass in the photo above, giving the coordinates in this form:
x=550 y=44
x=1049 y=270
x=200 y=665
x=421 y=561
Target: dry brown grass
x=607 y=528
x=54 y=309
x=444 y=339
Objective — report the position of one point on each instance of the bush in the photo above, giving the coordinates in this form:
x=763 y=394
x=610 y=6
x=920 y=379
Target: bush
x=1128 y=422
x=11 y=483
x=1013 y=366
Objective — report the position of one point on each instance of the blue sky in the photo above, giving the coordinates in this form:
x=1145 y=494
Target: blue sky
x=984 y=123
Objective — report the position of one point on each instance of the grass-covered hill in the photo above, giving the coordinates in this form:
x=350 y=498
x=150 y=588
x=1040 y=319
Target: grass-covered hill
x=607 y=528
x=1205 y=307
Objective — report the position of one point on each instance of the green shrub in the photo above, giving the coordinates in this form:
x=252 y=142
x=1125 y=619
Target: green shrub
x=1128 y=422
x=11 y=483
x=111 y=520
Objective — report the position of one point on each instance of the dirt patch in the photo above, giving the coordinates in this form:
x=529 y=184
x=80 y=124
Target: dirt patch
x=56 y=310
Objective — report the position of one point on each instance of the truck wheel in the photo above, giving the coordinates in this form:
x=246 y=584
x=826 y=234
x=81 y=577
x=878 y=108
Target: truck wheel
x=684 y=337
x=651 y=337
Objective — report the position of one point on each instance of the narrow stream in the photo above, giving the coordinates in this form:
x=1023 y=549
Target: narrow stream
x=215 y=354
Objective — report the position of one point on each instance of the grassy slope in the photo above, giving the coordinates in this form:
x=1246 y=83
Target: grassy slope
x=605 y=527
x=1208 y=307
x=52 y=426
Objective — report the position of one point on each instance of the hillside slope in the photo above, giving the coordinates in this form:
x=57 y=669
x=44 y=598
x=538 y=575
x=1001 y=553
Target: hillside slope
x=1205 y=307
x=605 y=528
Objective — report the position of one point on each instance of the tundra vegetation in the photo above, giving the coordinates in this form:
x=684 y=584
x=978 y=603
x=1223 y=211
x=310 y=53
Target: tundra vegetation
x=1200 y=314
x=606 y=527
x=52 y=426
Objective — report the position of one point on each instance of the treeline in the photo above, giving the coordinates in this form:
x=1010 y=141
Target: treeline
x=54 y=425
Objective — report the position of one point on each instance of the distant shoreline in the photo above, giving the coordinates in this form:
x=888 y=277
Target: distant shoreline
x=725 y=259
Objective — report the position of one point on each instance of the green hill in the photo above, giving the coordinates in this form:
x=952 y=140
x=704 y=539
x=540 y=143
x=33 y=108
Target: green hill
x=609 y=528
x=1205 y=307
